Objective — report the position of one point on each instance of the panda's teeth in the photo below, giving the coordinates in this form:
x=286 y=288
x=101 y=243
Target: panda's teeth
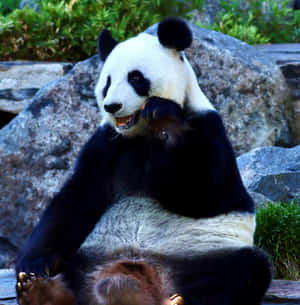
x=127 y=121
x=123 y=121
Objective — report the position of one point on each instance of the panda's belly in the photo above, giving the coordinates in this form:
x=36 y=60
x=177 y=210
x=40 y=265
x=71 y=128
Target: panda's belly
x=143 y=224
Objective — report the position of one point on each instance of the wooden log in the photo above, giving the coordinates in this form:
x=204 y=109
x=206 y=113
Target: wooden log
x=287 y=57
x=280 y=292
x=282 y=53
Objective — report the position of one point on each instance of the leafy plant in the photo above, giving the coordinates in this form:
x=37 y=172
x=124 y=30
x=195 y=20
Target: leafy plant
x=278 y=233
x=7 y=6
x=259 y=21
x=241 y=29
x=67 y=30
x=177 y=7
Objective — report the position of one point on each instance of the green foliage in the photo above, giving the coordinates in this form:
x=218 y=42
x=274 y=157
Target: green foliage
x=68 y=29
x=7 y=6
x=180 y=8
x=259 y=21
x=236 y=27
x=278 y=233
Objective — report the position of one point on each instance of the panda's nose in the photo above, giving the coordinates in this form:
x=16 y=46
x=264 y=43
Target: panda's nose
x=113 y=108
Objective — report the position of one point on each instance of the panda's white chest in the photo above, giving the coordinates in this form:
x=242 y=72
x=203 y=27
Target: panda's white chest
x=143 y=224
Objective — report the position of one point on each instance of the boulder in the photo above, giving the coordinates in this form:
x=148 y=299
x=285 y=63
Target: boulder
x=39 y=146
x=273 y=172
x=259 y=199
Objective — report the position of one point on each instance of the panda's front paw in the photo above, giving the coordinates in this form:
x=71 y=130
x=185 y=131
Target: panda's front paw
x=162 y=110
x=36 y=290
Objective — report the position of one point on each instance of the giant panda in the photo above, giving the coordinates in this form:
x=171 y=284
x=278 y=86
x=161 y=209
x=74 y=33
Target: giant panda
x=155 y=212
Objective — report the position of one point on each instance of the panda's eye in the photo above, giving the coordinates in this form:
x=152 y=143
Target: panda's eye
x=139 y=82
x=135 y=76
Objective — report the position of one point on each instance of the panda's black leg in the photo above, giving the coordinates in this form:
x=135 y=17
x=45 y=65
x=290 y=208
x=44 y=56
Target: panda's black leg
x=227 y=277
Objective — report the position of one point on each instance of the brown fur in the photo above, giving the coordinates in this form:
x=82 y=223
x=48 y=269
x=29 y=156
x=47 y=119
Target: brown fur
x=128 y=282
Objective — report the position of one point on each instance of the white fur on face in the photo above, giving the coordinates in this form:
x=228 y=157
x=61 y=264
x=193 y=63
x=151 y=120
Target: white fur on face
x=169 y=77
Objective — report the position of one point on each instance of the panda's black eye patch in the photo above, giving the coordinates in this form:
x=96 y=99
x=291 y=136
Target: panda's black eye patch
x=107 y=85
x=139 y=82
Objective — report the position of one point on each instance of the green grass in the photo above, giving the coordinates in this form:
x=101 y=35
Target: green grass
x=278 y=233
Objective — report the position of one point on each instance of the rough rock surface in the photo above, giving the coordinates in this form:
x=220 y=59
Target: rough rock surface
x=273 y=172
x=246 y=87
x=259 y=199
x=20 y=80
x=38 y=148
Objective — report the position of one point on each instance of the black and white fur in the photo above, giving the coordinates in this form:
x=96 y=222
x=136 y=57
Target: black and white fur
x=164 y=190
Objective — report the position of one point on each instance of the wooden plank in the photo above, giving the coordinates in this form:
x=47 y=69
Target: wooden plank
x=7 y=284
x=8 y=302
x=280 y=47
x=280 y=292
x=285 y=53
x=285 y=289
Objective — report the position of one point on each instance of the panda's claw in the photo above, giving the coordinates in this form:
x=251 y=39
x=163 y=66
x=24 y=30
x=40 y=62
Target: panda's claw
x=22 y=276
x=19 y=286
x=37 y=290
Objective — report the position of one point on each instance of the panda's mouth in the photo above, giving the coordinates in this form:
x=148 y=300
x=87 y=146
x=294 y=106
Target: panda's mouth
x=126 y=122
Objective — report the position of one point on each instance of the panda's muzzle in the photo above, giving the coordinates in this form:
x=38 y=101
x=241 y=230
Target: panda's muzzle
x=127 y=121
x=121 y=122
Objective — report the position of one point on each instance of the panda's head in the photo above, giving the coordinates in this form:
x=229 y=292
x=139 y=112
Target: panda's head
x=145 y=66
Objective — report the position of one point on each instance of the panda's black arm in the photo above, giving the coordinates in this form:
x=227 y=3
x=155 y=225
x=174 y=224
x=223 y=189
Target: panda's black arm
x=74 y=211
x=215 y=162
x=197 y=177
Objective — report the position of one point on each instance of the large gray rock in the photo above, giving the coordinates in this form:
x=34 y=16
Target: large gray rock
x=245 y=85
x=38 y=148
x=273 y=172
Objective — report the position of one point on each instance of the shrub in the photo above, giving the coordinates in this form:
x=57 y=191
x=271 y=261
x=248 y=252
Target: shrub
x=68 y=30
x=278 y=233
x=241 y=29
x=7 y=6
x=259 y=22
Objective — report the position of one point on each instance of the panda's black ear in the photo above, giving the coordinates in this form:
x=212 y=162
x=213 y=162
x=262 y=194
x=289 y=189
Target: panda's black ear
x=174 y=33
x=106 y=43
